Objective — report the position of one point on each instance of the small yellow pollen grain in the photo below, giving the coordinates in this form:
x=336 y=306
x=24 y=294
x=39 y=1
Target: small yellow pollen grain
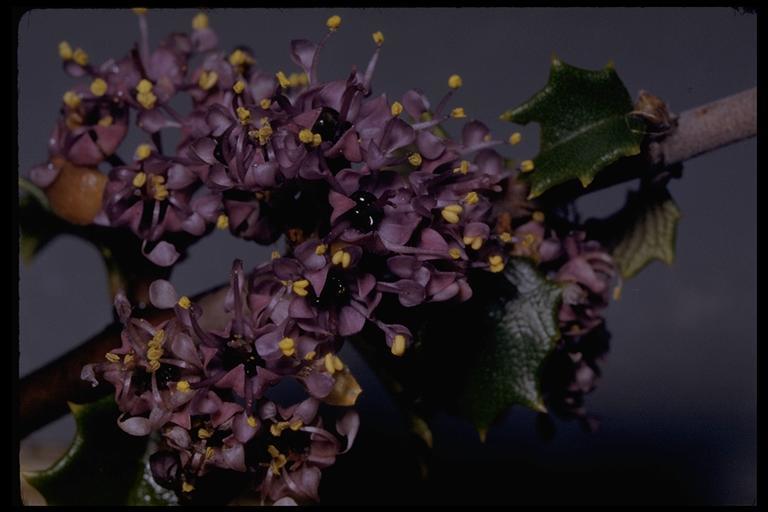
x=283 y=80
x=454 y=81
x=526 y=165
x=139 y=180
x=161 y=192
x=71 y=99
x=182 y=386
x=458 y=113
x=305 y=136
x=310 y=355
x=265 y=103
x=275 y=255
x=398 y=345
x=617 y=292
x=207 y=80
x=296 y=425
x=472 y=198
x=328 y=362
x=451 y=213
x=274 y=452
x=154 y=353
x=128 y=359
x=209 y=453
x=65 y=50
x=396 y=109
x=80 y=57
x=321 y=249
x=415 y=159
x=106 y=121
x=378 y=38
x=200 y=21
x=204 y=434
x=505 y=237
x=158 y=339
x=244 y=115
x=538 y=216
x=463 y=167
x=454 y=253
x=140 y=10
x=496 y=263
x=251 y=422
x=238 y=87
x=287 y=346
x=222 y=222
x=515 y=138
x=187 y=487
x=317 y=139
x=240 y=58
x=300 y=288
x=153 y=365
x=99 y=87
x=146 y=99
x=184 y=302
x=143 y=151
x=112 y=358
x=333 y=23
x=338 y=365
x=144 y=86
x=528 y=240
x=158 y=179
x=476 y=242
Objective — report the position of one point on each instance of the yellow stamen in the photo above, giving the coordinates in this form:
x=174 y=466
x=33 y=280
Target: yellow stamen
x=106 y=121
x=161 y=193
x=496 y=263
x=209 y=453
x=317 y=139
x=98 y=87
x=146 y=99
x=154 y=365
x=204 y=434
x=187 y=487
x=287 y=346
x=451 y=213
x=310 y=355
x=526 y=165
x=244 y=115
x=333 y=23
x=275 y=255
x=398 y=345
x=458 y=113
x=144 y=86
x=454 y=252
x=140 y=10
x=158 y=339
x=378 y=38
x=515 y=138
x=505 y=237
x=396 y=109
x=538 y=216
x=265 y=103
x=338 y=365
x=472 y=198
x=454 y=81
x=155 y=353
x=321 y=249
x=264 y=133
x=528 y=240
x=476 y=242
x=415 y=159
x=328 y=362
x=158 y=180
x=184 y=302
x=300 y=288
x=200 y=21
x=463 y=167
x=274 y=452
x=342 y=258
x=305 y=136
x=207 y=80
x=251 y=422
x=128 y=359
x=80 y=57
x=65 y=50
x=487 y=137
x=112 y=358
x=283 y=80
x=222 y=222
x=296 y=425
x=182 y=386
x=617 y=292
x=143 y=151
x=71 y=99
x=240 y=58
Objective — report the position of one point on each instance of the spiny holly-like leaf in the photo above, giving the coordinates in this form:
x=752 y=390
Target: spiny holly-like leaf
x=643 y=230
x=505 y=370
x=585 y=125
x=103 y=466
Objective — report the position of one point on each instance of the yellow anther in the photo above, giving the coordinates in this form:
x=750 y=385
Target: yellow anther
x=112 y=358
x=153 y=365
x=278 y=460
x=273 y=452
x=222 y=222
x=275 y=255
x=458 y=113
x=451 y=213
x=328 y=362
x=617 y=292
x=476 y=242
x=317 y=139
x=515 y=138
x=396 y=109
x=65 y=51
x=238 y=87
x=496 y=263
x=264 y=133
x=184 y=302
x=143 y=151
x=80 y=57
x=505 y=237
x=487 y=137
x=265 y=103
x=183 y=386
x=209 y=452
x=538 y=216
x=342 y=258
x=463 y=167
x=252 y=422
x=140 y=10
x=139 y=180
x=204 y=433
x=454 y=81
x=333 y=23
x=244 y=115
x=338 y=365
x=158 y=179
x=287 y=346
x=415 y=159
x=378 y=38
x=144 y=86
x=128 y=359
x=240 y=58
x=207 y=80
x=106 y=121
x=99 y=87
x=283 y=80
x=200 y=21
x=146 y=99
x=321 y=249
x=526 y=165
x=154 y=353
x=310 y=355
x=300 y=288
x=71 y=99
x=454 y=253
x=398 y=345
x=158 y=339
x=528 y=240
x=472 y=198
x=305 y=136
x=298 y=79
x=187 y=487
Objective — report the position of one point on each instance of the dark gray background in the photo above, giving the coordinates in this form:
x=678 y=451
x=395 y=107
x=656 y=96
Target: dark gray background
x=678 y=392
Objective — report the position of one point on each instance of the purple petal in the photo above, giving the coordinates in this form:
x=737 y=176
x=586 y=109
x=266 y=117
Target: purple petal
x=351 y=321
x=162 y=294
x=348 y=426
x=163 y=255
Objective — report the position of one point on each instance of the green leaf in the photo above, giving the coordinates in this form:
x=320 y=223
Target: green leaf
x=505 y=370
x=103 y=466
x=37 y=224
x=585 y=125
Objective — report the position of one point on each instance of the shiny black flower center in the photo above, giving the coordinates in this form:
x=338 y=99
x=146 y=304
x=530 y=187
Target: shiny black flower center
x=366 y=215
x=231 y=357
x=328 y=125
x=335 y=292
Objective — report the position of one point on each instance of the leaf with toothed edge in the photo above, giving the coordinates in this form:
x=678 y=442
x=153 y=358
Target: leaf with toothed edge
x=585 y=125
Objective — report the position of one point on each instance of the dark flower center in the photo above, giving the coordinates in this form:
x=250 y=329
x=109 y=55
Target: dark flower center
x=328 y=125
x=335 y=291
x=366 y=214
x=231 y=357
